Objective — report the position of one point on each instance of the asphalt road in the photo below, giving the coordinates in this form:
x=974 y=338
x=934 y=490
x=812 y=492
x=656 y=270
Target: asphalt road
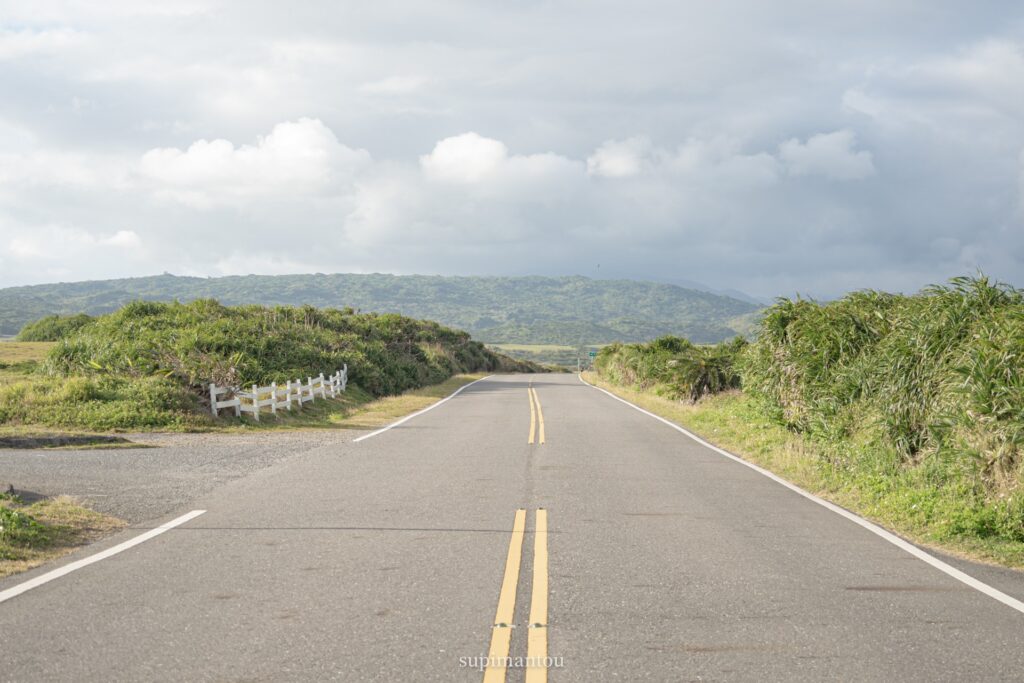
x=391 y=559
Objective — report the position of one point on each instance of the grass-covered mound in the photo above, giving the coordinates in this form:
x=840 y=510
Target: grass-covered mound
x=918 y=394
x=53 y=327
x=909 y=409
x=672 y=367
x=149 y=364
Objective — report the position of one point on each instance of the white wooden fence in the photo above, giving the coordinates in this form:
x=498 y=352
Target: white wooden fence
x=277 y=397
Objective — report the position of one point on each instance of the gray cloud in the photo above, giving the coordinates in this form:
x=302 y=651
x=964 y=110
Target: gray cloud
x=771 y=147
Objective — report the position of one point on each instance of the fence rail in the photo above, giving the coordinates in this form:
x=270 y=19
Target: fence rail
x=277 y=397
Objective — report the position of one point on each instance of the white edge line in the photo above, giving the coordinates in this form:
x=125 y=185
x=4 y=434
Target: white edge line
x=420 y=412
x=952 y=571
x=85 y=562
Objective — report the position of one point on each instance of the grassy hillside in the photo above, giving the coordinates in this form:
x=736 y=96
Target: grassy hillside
x=148 y=364
x=526 y=310
x=907 y=408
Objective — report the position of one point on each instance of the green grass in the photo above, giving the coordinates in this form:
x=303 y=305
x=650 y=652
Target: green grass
x=355 y=409
x=554 y=355
x=905 y=501
x=42 y=531
x=672 y=366
x=908 y=409
x=533 y=348
x=149 y=365
x=527 y=310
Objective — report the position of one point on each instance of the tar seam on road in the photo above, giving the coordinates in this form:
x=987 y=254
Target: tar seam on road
x=420 y=412
x=109 y=552
x=501 y=629
x=950 y=570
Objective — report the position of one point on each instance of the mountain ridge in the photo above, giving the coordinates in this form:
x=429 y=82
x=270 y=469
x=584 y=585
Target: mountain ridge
x=499 y=309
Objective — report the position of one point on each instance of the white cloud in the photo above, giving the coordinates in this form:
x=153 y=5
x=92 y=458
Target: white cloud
x=723 y=160
x=26 y=42
x=466 y=158
x=654 y=151
x=297 y=158
x=394 y=85
x=35 y=167
x=60 y=251
x=619 y=158
x=828 y=154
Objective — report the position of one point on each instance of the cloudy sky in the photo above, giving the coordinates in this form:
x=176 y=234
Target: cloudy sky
x=770 y=147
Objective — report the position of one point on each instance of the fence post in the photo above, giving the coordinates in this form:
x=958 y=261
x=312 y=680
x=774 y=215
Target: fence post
x=309 y=382
x=344 y=377
x=256 y=402
x=273 y=398
x=213 y=398
x=323 y=389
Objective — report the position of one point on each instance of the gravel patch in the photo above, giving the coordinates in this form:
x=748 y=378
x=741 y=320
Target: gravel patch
x=141 y=484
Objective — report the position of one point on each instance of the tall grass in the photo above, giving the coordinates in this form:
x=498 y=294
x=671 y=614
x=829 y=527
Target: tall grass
x=672 y=366
x=53 y=327
x=149 y=364
x=913 y=405
x=929 y=386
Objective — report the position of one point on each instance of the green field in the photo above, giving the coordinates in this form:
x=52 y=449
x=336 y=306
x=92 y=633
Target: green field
x=547 y=354
x=19 y=360
x=12 y=352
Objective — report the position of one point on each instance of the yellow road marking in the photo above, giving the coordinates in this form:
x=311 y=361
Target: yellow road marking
x=537 y=640
x=540 y=416
x=533 y=415
x=501 y=632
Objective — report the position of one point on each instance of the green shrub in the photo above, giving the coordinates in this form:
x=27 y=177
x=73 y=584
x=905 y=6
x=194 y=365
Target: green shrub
x=935 y=379
x=672 y=366
x=20 y=529
x=53 y=327
x=150 y=364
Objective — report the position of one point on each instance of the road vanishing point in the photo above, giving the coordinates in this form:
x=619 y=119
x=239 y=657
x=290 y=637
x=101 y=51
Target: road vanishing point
x=531 y=528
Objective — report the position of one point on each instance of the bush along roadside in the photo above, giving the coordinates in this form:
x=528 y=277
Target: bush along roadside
x=672 y=367
x=149 y=364
x=909 y=409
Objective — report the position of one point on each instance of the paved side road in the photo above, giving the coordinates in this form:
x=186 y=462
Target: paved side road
x=143 y=484
x=405 y=557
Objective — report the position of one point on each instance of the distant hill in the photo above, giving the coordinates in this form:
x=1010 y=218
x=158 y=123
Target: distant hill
x=524 y=310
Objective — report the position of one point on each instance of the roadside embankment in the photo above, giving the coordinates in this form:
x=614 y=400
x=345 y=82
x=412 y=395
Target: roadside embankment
x=149 y=365
x=908 y=410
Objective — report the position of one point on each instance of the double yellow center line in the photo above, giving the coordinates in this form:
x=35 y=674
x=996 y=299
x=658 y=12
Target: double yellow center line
x=501 y=633
x=536 y=417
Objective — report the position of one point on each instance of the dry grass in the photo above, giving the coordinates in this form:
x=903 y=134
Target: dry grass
x=358 y=410
x=13 y=352
x=532 y=348
x=71 y=525
x=18 y=360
